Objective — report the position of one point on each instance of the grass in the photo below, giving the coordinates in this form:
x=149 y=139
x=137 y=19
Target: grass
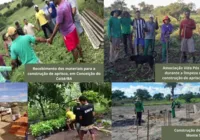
x=55 y=53
x=12 y=6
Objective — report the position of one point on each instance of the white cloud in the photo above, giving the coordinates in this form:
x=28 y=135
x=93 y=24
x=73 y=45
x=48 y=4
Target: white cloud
x=185 y=88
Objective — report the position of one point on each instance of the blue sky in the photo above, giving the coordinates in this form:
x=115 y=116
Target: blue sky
x=11 y=92
x=153 y=88
x=154 y=2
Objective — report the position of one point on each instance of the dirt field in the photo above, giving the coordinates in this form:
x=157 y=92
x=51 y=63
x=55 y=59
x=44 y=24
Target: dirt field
x=124 y=121
x=71 y=135
x=124 y=70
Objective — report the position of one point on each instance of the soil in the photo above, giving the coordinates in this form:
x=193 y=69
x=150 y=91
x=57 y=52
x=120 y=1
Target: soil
x=124 y=70
x=125 y=127
x=71 y=135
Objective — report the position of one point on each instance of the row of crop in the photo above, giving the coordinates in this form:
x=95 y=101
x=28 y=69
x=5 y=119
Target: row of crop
x=46 y=128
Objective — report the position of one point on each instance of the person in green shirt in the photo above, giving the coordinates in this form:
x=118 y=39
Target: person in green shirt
x=173 y=108
x=126 y=23
x=138 y=110
x=22 y=49
x=114 y=35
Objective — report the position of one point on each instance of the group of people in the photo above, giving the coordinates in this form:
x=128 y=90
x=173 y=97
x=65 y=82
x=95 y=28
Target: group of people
x=144 y=32
x=81 y=118
x=64 y=15
x=139 y=109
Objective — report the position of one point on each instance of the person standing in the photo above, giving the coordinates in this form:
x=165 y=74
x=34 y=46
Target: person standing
x=76 y=16
x=29 y=28
x=15 y=111
x=138 y=110
x=126 y=22
x=150 y=34
x=166 y=30
x=21 y=48
x=65 y=24
x=173 y=105
x=139 y=26
x=114 y=35
x=186 y=34
x=51 y=8
x=76 y=111
x=86 y=118
x=42 y=21
x=19 y=28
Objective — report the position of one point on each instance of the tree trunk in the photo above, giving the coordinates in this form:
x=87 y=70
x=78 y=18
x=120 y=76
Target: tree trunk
x=42 y=108
x=172 y=91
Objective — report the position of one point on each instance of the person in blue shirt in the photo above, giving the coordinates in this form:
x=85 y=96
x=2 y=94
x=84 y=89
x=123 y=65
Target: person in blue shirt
x=51 y=8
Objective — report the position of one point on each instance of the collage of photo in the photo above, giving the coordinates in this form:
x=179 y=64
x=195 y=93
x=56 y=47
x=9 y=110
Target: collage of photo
x=128 y=38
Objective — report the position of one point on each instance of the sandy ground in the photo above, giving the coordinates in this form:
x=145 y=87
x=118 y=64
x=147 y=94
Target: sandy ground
x=124 y=126
x=4 y=128
x=71 y=135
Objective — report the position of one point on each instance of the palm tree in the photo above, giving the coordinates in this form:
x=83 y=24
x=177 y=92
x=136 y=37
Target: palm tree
x=172 y=86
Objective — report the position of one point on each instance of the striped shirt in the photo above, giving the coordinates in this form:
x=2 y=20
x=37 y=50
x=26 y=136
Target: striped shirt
x=139 y=25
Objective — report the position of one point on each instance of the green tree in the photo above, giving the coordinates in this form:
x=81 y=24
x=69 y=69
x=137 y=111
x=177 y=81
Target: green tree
x=45 y=92
x=118 y=95
x=119 y=4
x=187 y=97
x=172 y=86
x=168 y=97
x=142 y=94
x=158 y=96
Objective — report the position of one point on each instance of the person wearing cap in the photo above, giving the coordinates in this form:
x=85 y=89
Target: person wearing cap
x=166 y=30
x=29 y=28
x=64 y=23
x=42 y=21
x=173 y=105
x=139 y=108
x=22 y=49
x=139 y=26
x=114 y=35
x=150 y=34
x=51 y=8
x=186 y=34
x=7 y=43
x=19 y=28
x=126 y=22
x=76 y=16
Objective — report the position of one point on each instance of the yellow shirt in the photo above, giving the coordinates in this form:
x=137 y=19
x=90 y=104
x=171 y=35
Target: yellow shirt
x=71 y=115
x=40 y=16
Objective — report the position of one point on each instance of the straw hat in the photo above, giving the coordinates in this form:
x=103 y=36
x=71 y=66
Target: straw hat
x=119 y=11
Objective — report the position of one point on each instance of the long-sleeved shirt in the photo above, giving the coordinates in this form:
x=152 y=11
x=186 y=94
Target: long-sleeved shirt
x=126 y=25
x=166 y=30
x=114 y=28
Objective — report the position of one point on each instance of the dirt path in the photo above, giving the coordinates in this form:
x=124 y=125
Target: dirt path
x=124 y=70
x=71 y=135
x=124 y=127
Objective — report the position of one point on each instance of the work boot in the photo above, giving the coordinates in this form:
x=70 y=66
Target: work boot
x=194 y=59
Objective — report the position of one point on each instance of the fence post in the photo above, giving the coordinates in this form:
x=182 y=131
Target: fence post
x=148 y=126
x=169 y=118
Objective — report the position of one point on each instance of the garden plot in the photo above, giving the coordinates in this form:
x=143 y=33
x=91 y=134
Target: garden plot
x=124 y=121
